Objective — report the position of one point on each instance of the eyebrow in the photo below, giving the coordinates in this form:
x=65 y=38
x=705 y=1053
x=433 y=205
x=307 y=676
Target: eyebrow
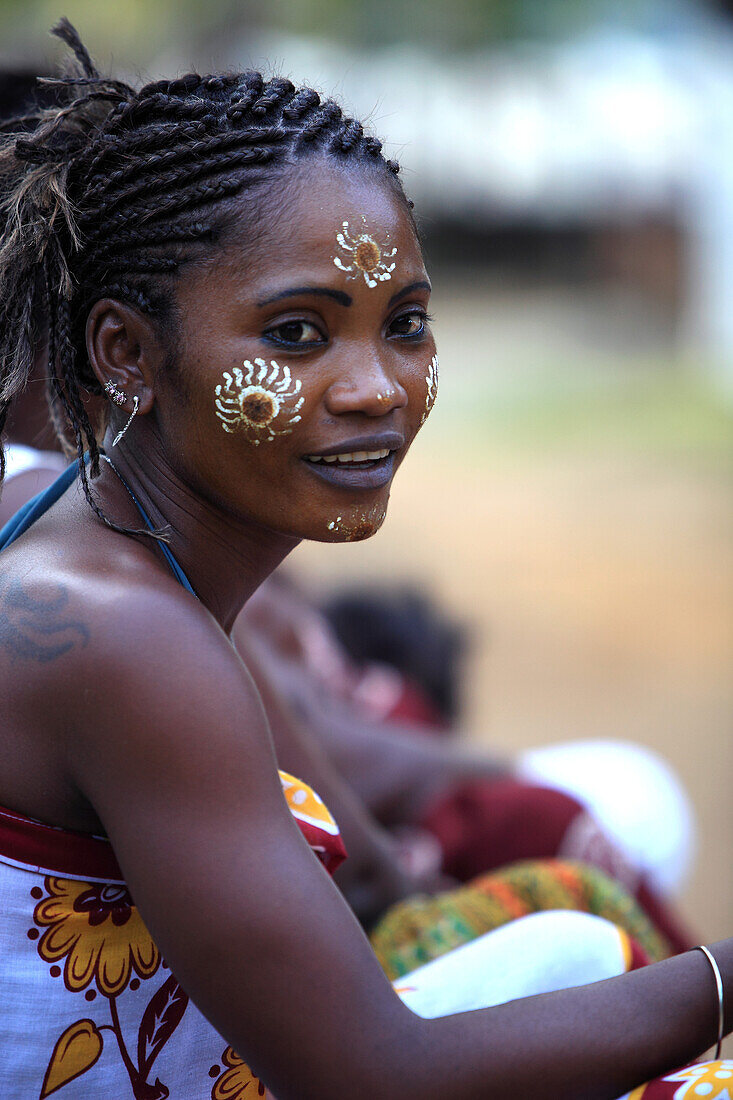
x=300 y=291
x=422 y=285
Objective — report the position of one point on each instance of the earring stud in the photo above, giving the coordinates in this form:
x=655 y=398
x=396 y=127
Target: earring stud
x=119 y=398
x=114 y=393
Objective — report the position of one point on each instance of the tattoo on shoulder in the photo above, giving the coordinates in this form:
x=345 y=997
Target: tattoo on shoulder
x=38 y=629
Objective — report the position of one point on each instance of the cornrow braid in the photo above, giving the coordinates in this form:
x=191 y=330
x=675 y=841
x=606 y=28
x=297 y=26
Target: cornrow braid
x=224 y=144
x=124 y=148
x=350 y=134
x=126 y=240
x=323 y=122
x=277 y=94
x=110 y=192
x=165 y=108
x=301 y=104
x=167 y=178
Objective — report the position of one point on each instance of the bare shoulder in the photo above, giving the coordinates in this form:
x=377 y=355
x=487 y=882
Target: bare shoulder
x=56 y=609
x=90 y=641
x=163 y=707
x=103 y=658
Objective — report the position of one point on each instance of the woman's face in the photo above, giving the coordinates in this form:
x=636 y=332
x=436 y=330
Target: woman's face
x=306 y=363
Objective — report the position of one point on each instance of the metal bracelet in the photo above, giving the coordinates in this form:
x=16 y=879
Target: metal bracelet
x=719 y=986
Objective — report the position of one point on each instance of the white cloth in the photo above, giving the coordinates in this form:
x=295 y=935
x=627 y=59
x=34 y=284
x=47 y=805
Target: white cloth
x=540 y=953
x=634 y=796
x=19 y=459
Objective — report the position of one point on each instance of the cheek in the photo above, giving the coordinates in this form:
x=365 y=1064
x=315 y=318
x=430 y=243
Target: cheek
x=260 y=400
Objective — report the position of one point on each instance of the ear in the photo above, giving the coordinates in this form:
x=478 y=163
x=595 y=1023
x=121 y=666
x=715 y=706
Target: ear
x=124 y=348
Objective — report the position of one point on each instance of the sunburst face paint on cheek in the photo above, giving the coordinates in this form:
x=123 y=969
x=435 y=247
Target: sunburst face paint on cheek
x=365 y=255
x=431 y=383
x=262 y=400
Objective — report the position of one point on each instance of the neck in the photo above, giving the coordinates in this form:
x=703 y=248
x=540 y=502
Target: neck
x=225 y=558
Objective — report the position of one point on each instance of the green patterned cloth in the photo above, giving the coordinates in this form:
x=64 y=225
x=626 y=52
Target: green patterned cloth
x=416 y=931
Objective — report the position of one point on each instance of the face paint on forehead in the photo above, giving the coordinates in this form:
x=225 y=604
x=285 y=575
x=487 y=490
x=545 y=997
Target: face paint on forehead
x=261 y=400
x=364 y=254
x=431 y=383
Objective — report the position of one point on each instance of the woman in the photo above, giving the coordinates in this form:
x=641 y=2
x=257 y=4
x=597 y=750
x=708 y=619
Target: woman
x=235 y=265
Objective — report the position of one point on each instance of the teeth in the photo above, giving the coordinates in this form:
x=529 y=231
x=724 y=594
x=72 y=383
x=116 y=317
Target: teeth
x=351 y=456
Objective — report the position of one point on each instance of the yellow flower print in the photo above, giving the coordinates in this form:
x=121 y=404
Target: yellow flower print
x=98 y=930
x=237 y=1082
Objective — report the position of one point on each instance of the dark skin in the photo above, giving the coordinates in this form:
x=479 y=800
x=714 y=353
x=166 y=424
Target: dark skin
x=121 y=724
x=395 y=774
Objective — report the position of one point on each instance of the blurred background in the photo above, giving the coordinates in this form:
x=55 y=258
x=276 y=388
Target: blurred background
x=569 y=500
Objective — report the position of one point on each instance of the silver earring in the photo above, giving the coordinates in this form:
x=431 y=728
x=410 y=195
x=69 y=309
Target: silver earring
x=120 y=434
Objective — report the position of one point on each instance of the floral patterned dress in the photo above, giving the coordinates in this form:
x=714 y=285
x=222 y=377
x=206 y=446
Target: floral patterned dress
x=88 y=1006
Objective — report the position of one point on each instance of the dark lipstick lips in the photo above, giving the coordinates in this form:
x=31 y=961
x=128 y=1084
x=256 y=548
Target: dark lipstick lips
x=392 y=441
x=370 y=475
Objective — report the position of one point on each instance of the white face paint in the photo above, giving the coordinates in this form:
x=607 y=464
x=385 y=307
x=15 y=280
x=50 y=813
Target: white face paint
x=256 y=399
x=360 y=524
x=431 y=382
x=364 y=255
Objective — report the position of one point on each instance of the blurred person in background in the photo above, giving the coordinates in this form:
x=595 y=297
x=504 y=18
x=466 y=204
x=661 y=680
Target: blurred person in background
x=450 y=810
x=33 y=457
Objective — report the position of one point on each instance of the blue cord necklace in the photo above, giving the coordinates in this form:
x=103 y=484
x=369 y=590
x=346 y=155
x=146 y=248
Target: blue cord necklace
x=167 y=552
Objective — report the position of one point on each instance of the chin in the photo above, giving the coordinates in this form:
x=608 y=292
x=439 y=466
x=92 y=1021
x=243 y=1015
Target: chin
x=361 y=532
x=354 y=525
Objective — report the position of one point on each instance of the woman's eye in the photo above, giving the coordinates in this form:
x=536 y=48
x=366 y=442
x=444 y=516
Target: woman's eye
x=295 y=332
x=408 y=324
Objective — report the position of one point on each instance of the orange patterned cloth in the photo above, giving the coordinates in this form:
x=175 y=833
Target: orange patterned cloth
x=88 y=1006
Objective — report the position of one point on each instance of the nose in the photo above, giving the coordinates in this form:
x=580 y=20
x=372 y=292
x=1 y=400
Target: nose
x=369 y=389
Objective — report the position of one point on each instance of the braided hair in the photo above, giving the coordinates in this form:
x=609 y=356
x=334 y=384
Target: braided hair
x=112 y=191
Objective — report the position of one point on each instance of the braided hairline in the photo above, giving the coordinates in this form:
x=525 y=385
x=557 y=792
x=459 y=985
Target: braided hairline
x=112 y=215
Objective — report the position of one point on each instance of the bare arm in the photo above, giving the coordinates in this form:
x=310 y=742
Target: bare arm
x=374 y=876
x=395 y=771
x=178 y=749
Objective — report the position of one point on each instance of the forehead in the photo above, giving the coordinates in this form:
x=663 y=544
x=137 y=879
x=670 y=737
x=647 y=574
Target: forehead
x=303 y=215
